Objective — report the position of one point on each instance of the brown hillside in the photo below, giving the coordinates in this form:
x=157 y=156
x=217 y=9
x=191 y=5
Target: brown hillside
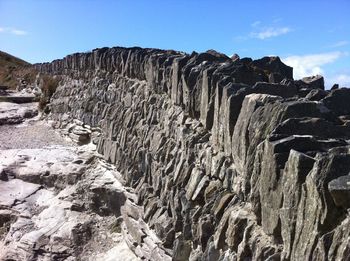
x=13 y=70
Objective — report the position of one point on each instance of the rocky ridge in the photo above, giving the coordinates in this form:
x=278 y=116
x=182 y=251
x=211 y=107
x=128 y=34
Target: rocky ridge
x=230 y=159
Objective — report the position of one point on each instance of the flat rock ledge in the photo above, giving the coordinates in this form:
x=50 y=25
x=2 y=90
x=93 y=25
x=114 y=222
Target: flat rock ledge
x=61 y=201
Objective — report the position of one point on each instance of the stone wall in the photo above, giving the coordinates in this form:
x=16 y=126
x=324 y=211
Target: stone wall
x=231 y=159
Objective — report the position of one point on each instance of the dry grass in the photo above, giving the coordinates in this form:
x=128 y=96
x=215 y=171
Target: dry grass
x=48 y=88
x=13 y=69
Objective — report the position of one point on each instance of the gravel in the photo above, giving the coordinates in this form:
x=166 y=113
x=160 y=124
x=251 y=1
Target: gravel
x=32 y=134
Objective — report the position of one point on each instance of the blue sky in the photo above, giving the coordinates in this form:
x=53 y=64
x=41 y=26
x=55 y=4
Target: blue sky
x=312 y=36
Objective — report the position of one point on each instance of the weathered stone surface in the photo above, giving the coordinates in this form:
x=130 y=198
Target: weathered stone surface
x=274 y=65
x=316 y=95
x=12 y=113
x=16 y=190
x=53 y=166
x=297 y=168
x=314 y=82
x=338 y=101
x=229 y=161
x=61 y=203
x=44 y=225
x=284 y=91
x=312 y=126
x=340 y=191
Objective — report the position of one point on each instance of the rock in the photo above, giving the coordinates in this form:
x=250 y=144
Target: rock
x=51 y=167
x=236 y=226
x=80 y=135
x=23 y=98
x=337 y=101
x=297 y=168
x=312 y=126
x=275 y=78
x=182 y=249
x=211 y=253
x=12 y=113
x=314 y=82
x=16 y=190
x=335 y=86
x=231 y=159
x=196 y=176
x=316 y=95
x=222 y=204
x=340 y=191
x=274 y=65
x=284 y=91
x=235 y=57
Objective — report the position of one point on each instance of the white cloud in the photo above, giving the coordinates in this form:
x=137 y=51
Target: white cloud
x=256 y=23
x=270 y=32
x=307 y=65
x=263 y=32
x=339 y=44
x=342 y=79
x=12 y=31
x=18 y=32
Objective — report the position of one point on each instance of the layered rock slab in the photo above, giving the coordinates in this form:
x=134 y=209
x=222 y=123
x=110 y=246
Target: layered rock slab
x=202 y=138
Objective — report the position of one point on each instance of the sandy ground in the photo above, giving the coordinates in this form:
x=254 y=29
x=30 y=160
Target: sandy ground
x=29 y=135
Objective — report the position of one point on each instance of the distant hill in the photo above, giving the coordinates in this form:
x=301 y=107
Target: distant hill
x=10 y=60
x=13 y=70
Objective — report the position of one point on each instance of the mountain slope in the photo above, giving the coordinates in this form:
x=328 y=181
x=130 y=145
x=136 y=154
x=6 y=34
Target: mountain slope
x=13 y=70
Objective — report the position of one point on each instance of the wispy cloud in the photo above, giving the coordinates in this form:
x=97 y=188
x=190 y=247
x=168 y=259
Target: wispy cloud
x=342 y=79
x=256 y=23
x=270 y=32
x=339 y=44
x=18 y=32
x=306 y=65
x=259 y=31
x=13 y=31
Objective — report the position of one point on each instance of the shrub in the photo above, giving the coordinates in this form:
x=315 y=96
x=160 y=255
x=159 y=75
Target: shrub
x=48 y=87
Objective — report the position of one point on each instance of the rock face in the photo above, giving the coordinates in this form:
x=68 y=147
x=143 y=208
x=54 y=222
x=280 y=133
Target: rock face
x=12 y=113
x=60 y=202
x=230 y=158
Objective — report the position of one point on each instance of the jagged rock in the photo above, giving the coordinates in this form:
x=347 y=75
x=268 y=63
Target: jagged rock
x=314 y=82
x=297 y=168
x=340 y=191
x=275 y=78
x=284 y=91
x=338 y=101
x=312 y=126
x=274 y=65
x=234 y=156
x=235 y=57
x=316 y=95
x=335 y=86
x=196 y=177
x=182 y=249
